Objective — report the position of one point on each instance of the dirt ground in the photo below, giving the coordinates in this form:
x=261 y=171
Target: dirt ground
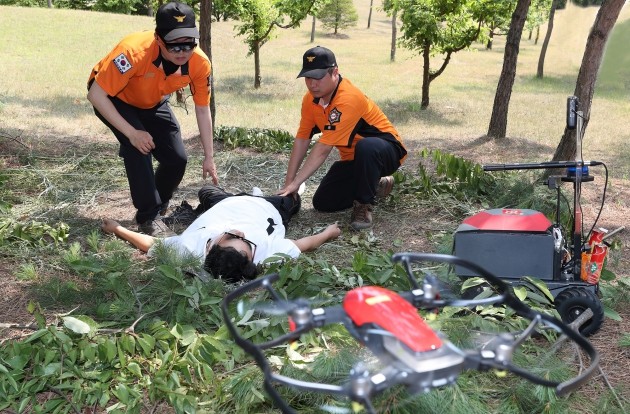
x=413 y=231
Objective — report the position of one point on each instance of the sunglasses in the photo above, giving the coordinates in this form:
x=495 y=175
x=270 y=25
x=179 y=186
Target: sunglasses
x=252 y=245
x=180 y=47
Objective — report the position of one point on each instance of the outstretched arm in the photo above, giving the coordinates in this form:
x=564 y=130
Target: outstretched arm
x=309 y=243
x=139 y=240
x=314 y=160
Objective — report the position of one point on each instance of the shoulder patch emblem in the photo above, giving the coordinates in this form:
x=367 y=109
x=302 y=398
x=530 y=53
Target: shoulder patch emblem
x=334 y=116
x=122 y=63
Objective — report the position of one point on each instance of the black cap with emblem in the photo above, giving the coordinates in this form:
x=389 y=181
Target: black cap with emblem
x=316 y=62
x=175 y=20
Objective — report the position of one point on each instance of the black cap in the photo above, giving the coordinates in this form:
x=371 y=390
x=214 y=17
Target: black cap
x=316 y=62
x=174 y=20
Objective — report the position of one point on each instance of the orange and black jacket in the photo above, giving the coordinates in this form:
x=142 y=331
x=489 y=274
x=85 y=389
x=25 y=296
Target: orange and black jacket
x=349 y=117
x=131 y=72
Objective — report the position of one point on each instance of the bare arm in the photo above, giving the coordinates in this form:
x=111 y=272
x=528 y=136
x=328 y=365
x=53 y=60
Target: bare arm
x=298 y=152
x=141 y=241
x=315 y=159
x=309 y=243
x=204 y=123
x=142 y=140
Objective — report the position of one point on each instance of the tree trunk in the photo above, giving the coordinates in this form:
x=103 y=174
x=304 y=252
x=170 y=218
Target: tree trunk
x=543 y=50
x=50 y=4
x=537 y=35
x=498 y=121
x=257 y=76
x=425 y=76
x=313 y=30
x=392 y=53
x=205 y=42
x=370 y=14
x=490 y=39
x=585 y=85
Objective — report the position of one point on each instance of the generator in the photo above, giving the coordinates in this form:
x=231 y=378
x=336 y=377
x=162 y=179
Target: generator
x=510 y=243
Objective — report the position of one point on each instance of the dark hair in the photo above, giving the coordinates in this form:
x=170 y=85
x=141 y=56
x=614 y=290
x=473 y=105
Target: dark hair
x=229 y=264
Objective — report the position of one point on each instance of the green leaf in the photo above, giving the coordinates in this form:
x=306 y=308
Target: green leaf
x=107 y=350
x=37 y=334
x=612 y=314
x=147 y=343
x=541 y=286
x=23 y=404
x=76 y=325
x=134 y=368
x=128 y=343
x=170 y=272
x=520 y=292
x=122 y=393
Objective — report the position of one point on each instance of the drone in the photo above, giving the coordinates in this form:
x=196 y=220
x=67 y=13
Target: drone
x=410 y=353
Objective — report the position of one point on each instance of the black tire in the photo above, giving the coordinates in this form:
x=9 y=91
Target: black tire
x=572 y=302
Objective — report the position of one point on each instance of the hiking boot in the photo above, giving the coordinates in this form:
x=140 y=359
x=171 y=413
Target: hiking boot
x=155 y=228
x=361 y=217
x=384 y=187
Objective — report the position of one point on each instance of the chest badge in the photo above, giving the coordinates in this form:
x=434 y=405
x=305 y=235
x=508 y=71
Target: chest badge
x=334 y=116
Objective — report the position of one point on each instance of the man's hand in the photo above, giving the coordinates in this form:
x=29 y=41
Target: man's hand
x=287 y=190
x=109 y=225
x=142 y=141
x=332 y=231
x=210 y=169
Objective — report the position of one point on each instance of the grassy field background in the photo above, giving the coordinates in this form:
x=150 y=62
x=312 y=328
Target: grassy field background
x=57 y=49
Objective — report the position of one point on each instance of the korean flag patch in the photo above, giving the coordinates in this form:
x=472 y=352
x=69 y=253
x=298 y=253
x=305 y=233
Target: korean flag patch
x=122 y=63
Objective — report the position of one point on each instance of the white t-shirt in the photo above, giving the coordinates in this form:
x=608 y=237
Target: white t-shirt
x=254 y=216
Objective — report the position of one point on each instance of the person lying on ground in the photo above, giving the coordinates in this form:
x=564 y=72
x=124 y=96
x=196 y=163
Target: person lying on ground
x=234 y=233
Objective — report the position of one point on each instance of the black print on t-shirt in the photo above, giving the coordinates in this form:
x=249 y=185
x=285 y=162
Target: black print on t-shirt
x=270 y=229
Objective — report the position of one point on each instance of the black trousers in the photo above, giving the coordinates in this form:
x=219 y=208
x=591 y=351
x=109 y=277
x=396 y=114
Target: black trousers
x=151 y=190
x=347 y=181
x=287 y=206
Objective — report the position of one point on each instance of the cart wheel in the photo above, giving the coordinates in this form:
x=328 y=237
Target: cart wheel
x=570 y=303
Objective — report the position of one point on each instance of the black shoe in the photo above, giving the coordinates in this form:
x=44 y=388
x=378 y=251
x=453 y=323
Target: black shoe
x=183 y=216
x=155 y=228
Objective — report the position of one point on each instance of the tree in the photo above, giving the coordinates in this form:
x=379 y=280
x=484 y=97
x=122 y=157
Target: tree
x=495 y=17
x=313 y=29
x=436 y=27
x=205 y=42
x=538 y=14
x=369 y=14
x=543 y=49
x=585 y=84
x=259 y=18
x=498 y=120
x=338 y=14
x=391 y=8
x=223 y=10
x=392 y=53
